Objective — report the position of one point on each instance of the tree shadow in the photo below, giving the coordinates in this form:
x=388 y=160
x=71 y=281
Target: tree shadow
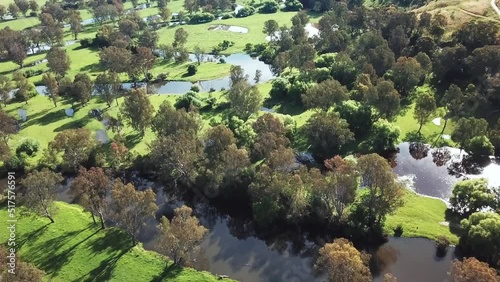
x=52 y=255
x=132 y=139
x=76 y=123
x=169 y=272
x=39 y=119
x=91 y=68
x=29 y=237
x=454 y=222
x=115 y=242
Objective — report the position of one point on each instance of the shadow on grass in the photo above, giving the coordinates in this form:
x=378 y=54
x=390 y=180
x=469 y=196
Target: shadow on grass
x=54 y=253
x=44 y=119
x=31 y=236
x=117 y=244
x=170 y=272
x=132 y=139
x=454 y=222
x=76 y=123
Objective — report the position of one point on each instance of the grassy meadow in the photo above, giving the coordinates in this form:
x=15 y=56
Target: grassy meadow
x=74 y=249
x=421 y=217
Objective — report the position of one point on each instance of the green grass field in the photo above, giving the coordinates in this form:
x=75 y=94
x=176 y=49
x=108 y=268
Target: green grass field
x=200 y=35
x=421 y=217
x=74 y=249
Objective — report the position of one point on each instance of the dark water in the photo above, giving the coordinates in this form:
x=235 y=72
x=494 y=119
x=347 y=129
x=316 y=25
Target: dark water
x=433 y=172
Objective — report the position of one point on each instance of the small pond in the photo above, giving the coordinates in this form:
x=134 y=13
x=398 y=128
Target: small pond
x=434 y=171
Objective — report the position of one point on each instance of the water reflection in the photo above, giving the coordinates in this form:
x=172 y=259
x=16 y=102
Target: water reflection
x=436 y=173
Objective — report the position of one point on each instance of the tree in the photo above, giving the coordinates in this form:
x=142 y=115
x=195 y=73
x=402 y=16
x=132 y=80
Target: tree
x=144 y=61
x=271 y=137
x=479 y=146
x=469 y=196
x=406 y=74
x=472 y=270
x=119 y=157
x=180 y=38
x=137 y=110
x=271 y=27
x=41 y=191
x=26 y=89
x=181 y=237
x=244 y=99
x=115 y=59
x=5 y=88
x=191 y=6
x=343 y=262
x=52 y=89
x=90 y=188
x=325 y=94
x=169 y=121
x=438 y=26
x=359 y=117
x=384 y=136
x=131 y=207
x=23 y=6
x=425 y=106
x=176 y=158
x=327 y=133
x=385 y=98
x=75 y=22
x=148 y=38
x=17 y=53
x=3 y=11
x=108 y=86
x=339 y=191
x=75 y=146
x=480 y=236
x=384 y=193
x=128 y=27
x=81 y=90
x=453 y=101
x=8 y=126
x=475 y=34
x=467 y=128
x=13 y=10
x=34 y=6
x=257 y=76
x=58 y=61
x=51 y=31
x=199 y=53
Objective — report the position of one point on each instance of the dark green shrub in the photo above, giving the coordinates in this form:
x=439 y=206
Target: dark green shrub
x=191 y=70
x=269 y=7
x=29 y=147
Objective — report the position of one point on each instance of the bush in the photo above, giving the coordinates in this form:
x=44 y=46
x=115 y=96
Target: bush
x=269 y=7
x=398 y=231
x=479 y=146
x=201 y=18
x=85 y=43
x=442 y=245
x=245 y=12
x=222 y=61
x=33 y=14
x=191 y=70
x=31 y=72
x=293 y=5
x=29 y=147
x=148 y=77
x=279 y=88
x=162 y=77
x=16 y=164
x=188 y=101
x=226 y=16
x=195 y=88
